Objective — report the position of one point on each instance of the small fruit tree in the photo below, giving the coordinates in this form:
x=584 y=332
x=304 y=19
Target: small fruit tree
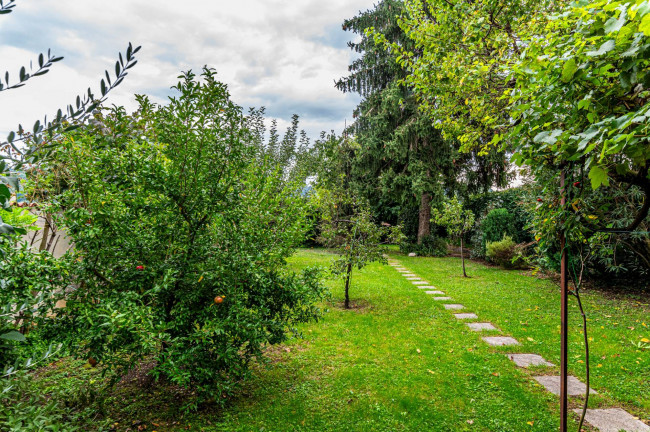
x=347 y=225
x=346 y=220
x=181 y=232
x=457 y=220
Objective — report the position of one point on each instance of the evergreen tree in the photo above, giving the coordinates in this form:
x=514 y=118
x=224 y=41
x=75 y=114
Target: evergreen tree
x=403 y=163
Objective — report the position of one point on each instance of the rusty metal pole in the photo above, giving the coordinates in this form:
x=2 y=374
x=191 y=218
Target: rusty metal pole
x=564 y=348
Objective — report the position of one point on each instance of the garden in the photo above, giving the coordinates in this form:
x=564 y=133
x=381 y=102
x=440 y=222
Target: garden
x=471 y=253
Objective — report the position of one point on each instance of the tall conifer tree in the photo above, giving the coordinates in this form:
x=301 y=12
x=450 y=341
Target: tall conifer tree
x=403 y=163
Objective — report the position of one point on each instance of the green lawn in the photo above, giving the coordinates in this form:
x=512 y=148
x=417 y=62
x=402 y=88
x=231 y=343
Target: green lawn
x=399 y=362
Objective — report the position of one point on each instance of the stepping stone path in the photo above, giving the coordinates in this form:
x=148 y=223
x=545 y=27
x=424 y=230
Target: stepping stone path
x=477 y=327
x=552 y=384
x=462 y=316
x=605 y=420
x=527 y=360
x=500 y=340
x=613 y=420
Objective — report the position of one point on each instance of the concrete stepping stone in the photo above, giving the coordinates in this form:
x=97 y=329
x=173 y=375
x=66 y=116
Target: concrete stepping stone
x=440 y=298
x=500 y=340
x=427 y=287
x=409 y=275
x=434 y=292
x=613 y=420
x=552 y=384
x=412 y=278
x=527 y=360
x=477 y=327
x=420 y=282
x=462 y=316
x=454 y=307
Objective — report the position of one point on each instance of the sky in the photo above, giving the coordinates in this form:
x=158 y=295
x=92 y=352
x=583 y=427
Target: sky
x=280 y=54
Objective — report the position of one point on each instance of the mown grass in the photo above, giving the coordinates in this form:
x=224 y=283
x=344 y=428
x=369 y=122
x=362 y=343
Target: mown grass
x=399 y=362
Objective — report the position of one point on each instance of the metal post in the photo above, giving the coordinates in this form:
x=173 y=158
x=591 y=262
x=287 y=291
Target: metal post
x=564 y=322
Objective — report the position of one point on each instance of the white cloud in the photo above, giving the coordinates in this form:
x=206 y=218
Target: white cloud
x=275 y=53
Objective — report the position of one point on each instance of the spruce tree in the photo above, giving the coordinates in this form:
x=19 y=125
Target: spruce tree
x=402 y=163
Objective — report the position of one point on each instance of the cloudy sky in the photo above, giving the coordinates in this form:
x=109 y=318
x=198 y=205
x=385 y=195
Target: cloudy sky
x=281 y=54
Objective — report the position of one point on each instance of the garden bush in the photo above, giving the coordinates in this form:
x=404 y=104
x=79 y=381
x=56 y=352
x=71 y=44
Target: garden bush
x=181 y=230
x=497 y=224
x=506 y=253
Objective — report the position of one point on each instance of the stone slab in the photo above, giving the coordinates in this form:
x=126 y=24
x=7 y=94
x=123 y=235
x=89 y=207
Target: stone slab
x=427 y=287
x=409 y=275
x=439 y=298
x=454 y=306
x=413 y=278
x=527 y=360
x=465 y=316
x=613 y=420
x=552 y=384
x=477 y=327
x=500 y=340
x=434 y=292
x=420 y=282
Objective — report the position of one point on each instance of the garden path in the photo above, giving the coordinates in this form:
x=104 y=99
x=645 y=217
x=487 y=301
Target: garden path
x=605 y=420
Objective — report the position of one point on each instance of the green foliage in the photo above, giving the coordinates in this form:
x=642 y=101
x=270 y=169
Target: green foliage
x=457 y=220
x=29 y=284
x=506 y=253
x=497 y=224
x=590 y=66
x=181 y=231
x=348 y=226
x=346 y=221
x=459 y=70
x=431 y=245
x=36 y=143
x=402 y=161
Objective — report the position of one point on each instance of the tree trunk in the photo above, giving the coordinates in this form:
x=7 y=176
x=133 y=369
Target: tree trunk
x=462 y=256
x=347 y=286
x=424 y=224
x=46 y=233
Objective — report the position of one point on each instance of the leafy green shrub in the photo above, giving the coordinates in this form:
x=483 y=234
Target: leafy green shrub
x=506 y=253
x=431 y=245
x=497 y=224
x=181 y=231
